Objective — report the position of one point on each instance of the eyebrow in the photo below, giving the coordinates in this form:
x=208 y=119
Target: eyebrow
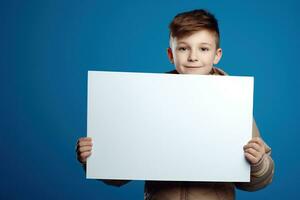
x=199 y=43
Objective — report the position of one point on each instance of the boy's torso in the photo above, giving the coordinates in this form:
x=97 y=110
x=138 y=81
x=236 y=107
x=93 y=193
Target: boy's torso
x=174 y=190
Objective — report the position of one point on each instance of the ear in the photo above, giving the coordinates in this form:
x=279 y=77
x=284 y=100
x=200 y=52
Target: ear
x=218 y=56
x=170 y=55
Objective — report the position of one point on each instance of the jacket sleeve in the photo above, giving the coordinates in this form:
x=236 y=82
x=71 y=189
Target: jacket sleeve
x=117 y=183
x=262 y=172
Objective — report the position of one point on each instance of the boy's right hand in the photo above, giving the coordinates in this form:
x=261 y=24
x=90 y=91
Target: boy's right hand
x=84 y=149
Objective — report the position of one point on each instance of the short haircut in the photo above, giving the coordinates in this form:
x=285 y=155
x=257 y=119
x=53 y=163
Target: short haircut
x=186 y=23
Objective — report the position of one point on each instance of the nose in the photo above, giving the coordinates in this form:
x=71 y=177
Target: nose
x=192 y=56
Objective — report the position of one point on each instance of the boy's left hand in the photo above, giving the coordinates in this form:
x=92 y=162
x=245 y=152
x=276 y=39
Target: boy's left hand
x=254 y=150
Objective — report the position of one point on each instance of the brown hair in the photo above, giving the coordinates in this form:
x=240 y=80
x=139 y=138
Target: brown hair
x=186 y=23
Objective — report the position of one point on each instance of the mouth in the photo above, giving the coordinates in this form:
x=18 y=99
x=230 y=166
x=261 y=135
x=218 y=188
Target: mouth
x=192 y=66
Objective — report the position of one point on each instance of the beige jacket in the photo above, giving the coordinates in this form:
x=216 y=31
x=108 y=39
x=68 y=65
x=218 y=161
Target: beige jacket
x=261 y=176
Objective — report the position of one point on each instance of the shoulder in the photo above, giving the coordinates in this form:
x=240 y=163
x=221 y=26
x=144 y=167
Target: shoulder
x=214 y=71
x=218 y=71
x=172 y=72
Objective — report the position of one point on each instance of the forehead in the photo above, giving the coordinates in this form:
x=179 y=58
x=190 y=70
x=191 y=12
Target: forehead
x=198 y=37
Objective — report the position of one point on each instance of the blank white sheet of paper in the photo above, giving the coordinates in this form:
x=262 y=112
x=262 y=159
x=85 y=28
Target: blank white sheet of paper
x=172 y=127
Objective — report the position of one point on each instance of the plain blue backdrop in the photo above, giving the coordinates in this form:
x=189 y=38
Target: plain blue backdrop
x=47 y=47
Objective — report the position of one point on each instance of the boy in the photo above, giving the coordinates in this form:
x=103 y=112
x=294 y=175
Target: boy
x=194 y=49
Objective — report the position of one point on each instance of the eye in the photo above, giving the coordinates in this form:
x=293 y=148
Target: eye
x=182 y=48
x=204 y=49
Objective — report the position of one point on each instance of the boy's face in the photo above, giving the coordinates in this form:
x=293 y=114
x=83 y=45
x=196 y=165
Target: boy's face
x=194 y=54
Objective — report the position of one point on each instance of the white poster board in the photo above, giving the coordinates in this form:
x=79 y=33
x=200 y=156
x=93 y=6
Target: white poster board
x=174 y=127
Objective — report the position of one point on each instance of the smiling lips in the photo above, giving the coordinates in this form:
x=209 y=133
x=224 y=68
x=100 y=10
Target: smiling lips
x=192 y=66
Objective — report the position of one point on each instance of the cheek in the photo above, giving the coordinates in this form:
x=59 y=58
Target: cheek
x=179 y=57
x=210 y=59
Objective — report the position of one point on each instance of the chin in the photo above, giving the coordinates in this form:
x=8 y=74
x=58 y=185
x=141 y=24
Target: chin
x=200 y=70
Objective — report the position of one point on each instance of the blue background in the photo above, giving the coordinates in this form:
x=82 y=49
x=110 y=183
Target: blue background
x=47 y=47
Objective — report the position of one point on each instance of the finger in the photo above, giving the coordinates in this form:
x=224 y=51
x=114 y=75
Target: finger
x=83 y=139
x=259 y=146
x=85 y=143
x=253 y=152
x=251 y=158
x=84 y=149
x=254 y=146
x=257 y=140
x=83 y=156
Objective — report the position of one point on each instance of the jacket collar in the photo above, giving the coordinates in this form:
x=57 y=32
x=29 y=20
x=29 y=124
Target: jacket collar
x=214 y=71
